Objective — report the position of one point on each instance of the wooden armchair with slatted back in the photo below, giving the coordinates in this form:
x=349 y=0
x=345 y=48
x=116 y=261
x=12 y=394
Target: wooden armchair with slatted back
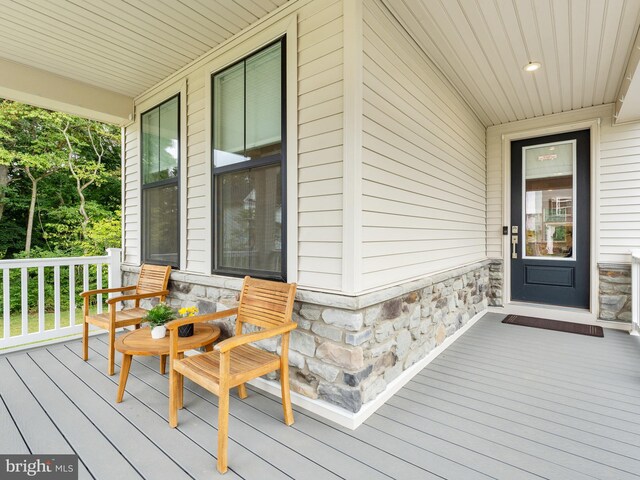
x=152 y=282
x=233 y=362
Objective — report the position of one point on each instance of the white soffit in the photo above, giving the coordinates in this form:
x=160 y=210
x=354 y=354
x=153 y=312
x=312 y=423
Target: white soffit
x=482 y=45
x=124 y=46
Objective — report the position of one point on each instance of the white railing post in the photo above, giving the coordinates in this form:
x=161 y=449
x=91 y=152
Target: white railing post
x=115 y=275
x=115 y=261
x=635 y=292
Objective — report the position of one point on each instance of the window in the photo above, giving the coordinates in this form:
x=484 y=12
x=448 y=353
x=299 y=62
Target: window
x=249 y=165
x=160 y=173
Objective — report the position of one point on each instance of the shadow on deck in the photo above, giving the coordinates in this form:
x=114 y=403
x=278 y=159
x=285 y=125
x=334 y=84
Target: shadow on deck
x=502 y=402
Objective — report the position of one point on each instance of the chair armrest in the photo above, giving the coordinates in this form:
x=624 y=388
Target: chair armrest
x=137 y=296
x=245 y=338
x=173 y=324
x=88 y=293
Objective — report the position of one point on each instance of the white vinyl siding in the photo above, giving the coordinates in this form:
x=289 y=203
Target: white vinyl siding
x=619 y=231
x=320 y=138
x=618 y=179
x=198 y=183
x=424 y=176
x=131 y=195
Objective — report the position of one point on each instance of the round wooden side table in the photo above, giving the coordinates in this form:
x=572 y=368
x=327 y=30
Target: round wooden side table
x=139 y=342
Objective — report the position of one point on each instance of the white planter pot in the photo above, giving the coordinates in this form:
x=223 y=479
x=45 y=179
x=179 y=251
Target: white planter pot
x=158 y=332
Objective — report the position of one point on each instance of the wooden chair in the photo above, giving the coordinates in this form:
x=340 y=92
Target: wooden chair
x=233 y=362
x=152 y=282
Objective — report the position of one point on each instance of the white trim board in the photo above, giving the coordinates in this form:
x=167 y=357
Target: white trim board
x=593 y=125
x=354 y=420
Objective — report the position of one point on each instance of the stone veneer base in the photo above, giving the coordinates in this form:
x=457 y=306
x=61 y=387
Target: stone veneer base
x=349 y=356
x=350 y=420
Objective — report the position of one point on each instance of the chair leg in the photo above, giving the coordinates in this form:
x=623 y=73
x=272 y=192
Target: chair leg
x=180 y=397
x=112 y=350
x=242 y=391
x=286 y=396
x=85 y=341
x=223 y=430
x=174 y=392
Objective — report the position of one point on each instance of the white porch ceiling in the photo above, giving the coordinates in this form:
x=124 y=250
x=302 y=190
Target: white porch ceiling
x=125 y=46
x=92 y=57
x=481 y=46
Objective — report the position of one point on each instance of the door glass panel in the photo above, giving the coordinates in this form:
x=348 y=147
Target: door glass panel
x=549 y=200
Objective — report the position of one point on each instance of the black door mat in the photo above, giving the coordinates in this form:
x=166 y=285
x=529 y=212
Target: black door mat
x=546 y=324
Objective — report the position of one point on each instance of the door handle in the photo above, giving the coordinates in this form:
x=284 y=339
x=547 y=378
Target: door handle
x=514 y=243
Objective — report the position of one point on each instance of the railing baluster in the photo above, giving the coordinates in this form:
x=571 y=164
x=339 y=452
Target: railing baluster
x=6 y=307
x=40 y=299
x=56 y=297
x=85 y=277
x=72 y=295
x=99 y=285
x=26 y=270
x=24 y=292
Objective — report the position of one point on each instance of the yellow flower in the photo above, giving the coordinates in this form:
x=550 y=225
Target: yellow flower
x=188 y=311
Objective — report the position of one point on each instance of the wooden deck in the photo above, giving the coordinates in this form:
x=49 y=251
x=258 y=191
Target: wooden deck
x=503 y=401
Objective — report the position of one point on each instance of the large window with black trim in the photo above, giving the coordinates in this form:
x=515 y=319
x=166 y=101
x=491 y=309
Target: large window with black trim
x=160 y=152
x=249 y=165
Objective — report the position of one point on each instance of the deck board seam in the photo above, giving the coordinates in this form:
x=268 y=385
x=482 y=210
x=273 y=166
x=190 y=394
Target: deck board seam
x=542 y=391
x=120 y=414
x=408 y=386
x=569 y=427
x=51 y=419
x=24 y=440
x=85 y=415
x=496 y=459
x=527 y=439
x=205 y=450
x=300 y=411
x=528 y=377
x=132 y=374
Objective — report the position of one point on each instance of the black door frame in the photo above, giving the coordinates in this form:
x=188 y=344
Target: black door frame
x=592 y=123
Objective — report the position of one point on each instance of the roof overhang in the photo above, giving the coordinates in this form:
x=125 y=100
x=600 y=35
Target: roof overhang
x=37 y=87
x=628 y=100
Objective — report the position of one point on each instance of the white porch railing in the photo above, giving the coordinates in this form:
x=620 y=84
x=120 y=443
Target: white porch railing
x=635 y=292
x=29 y=266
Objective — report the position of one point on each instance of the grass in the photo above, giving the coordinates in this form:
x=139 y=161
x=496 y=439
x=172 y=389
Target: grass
x=15 y=321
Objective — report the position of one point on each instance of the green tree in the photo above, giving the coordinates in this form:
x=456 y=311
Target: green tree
x=33 y=144
x=61 y=174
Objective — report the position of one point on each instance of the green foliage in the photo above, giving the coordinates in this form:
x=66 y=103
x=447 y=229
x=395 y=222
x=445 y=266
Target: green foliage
x=160 y=314
x=71 y=156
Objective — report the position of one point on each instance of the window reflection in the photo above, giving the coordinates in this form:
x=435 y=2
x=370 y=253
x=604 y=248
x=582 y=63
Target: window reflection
x=549 y=200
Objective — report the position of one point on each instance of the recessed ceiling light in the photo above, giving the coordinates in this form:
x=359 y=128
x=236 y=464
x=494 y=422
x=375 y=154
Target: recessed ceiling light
x=532 y=66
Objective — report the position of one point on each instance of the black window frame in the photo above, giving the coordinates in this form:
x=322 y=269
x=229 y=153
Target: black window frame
x=275 y=159
x=159 y=184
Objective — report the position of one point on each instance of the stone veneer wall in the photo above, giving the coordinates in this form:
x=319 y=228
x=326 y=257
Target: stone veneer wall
x=614 y=292
x=496 y=279
x=347 y=356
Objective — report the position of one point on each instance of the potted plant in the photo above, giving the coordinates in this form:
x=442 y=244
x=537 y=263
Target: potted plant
x=186 y=330
x=157 y=317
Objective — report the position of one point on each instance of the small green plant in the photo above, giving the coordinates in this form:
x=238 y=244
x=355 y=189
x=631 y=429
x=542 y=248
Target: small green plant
x=160 y=314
